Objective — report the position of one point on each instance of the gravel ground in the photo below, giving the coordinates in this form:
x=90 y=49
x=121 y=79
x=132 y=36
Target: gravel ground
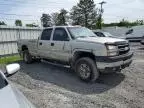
x=51 y=86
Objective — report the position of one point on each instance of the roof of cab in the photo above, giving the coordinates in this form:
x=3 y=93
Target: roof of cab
x=62 y=26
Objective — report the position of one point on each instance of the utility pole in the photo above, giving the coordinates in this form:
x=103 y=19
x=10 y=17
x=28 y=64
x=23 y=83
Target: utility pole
x=101 y=12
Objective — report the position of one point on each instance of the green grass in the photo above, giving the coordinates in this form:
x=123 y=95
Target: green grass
x=9 y=59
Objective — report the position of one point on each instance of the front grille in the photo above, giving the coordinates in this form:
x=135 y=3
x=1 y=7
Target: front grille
x=123 y=48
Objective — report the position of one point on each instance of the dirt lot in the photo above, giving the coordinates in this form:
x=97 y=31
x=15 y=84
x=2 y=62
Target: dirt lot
x=50 y=86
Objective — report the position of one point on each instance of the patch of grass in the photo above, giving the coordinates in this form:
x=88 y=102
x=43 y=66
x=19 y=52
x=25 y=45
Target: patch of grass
x=9 y=59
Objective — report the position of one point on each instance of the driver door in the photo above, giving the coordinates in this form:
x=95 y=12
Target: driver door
x=60 y=45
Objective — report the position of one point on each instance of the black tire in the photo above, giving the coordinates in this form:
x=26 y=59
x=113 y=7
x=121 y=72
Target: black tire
x=36 y=59
x=27 y=57
x=89 y=72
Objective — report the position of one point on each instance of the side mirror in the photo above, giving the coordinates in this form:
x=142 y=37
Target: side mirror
x=12 y=69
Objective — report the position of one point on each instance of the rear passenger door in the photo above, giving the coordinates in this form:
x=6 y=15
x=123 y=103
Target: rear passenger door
x=44 y=44
x=60 y=45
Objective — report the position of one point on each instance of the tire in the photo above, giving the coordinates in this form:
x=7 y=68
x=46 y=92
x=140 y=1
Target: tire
x=36 y=59
x=86 y=69
x=27 y=57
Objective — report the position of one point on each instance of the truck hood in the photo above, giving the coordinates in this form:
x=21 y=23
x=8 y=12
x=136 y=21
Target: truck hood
x=12 y=98
x=101 y=39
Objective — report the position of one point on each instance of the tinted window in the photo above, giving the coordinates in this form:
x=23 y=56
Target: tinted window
x=99 y=34
x=3 y=82
x=60 y=35
x=46 y=34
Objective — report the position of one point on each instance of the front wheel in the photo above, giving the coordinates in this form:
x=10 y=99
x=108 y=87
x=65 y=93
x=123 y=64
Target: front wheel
x=86 y=69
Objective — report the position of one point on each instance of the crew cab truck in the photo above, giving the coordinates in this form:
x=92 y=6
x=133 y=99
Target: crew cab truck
x=87 y=54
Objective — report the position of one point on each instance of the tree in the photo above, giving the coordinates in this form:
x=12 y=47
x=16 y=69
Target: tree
x=76 y=17
x=54 y=18
x=99 y=22
x=2 y=23
x=84 y=13
x=46 y=20
x=61 y=19
x=140 y=22
x=86 y=8
x=18 y=23
x=94 y=19
x=125 y=23
x=31 y=25
x=110 y=25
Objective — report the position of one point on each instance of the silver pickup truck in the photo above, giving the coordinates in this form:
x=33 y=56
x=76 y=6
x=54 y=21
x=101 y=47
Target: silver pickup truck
x=79 y=47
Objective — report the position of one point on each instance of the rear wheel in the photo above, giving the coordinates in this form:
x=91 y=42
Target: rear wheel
x=27 y=57
x=86 y=69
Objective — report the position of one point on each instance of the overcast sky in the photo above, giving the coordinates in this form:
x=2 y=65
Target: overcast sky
x=115 y=10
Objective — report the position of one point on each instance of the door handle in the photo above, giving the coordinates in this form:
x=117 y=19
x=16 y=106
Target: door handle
x=40 y=43
x=52 y=44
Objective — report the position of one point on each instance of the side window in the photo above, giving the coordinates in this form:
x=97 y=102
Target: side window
x=60 y=35
x=46 y=34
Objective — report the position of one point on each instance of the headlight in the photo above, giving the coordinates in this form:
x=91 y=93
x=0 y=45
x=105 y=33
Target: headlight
x=111 y=47
x=112 y=50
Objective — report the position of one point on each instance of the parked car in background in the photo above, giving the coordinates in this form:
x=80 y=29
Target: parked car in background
x=134 y=35
x=10 y=97
x=79 y=47
x=107 y=34
x=142 y=40
x=102 y=34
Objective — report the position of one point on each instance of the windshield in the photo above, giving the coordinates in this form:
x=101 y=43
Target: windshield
x=107 y=34
x=3 y=81
x=77 y=32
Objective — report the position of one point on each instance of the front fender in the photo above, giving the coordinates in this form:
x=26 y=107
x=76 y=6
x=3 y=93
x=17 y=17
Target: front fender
x=74 y=51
